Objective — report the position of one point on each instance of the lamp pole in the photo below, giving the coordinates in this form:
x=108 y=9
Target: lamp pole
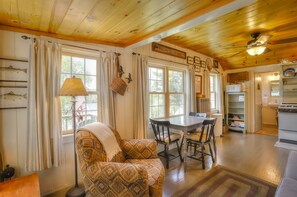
x=76 y=191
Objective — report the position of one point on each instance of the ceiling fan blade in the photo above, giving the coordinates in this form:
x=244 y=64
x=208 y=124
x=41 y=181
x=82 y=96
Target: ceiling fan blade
x=263 y=38
x=284 y=41
x=237 y=53
x=267 y=50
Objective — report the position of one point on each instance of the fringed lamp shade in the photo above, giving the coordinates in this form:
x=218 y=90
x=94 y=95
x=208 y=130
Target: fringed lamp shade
x=73 y=87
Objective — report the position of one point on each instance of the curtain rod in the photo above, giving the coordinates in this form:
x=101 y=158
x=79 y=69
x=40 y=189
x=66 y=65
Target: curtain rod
x=27 y=37
x=162 y=59
x=88 y=48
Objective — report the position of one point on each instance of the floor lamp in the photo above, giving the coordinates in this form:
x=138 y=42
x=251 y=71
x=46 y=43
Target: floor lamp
x=74 y=87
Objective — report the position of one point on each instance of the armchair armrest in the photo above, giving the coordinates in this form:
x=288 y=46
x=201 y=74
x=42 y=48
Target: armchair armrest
x=140 y=149
x=120 y=179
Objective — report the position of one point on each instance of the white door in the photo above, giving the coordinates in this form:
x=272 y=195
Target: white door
x=258 y=102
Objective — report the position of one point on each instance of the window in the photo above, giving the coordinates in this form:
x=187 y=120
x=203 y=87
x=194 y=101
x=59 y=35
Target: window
x=213 y=92
x=84 y=68
x=166 y=92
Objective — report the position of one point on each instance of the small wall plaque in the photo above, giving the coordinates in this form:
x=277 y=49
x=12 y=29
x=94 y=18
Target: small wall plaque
x=168 y=50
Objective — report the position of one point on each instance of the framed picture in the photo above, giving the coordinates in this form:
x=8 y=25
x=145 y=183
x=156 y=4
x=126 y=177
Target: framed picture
x=197 y=68
x=168 y=50
x=215 y=63
x=13 y=97
x=196 y=60
x=14 y=71
x=198 y=84
x=190 y=60
x=203 y=64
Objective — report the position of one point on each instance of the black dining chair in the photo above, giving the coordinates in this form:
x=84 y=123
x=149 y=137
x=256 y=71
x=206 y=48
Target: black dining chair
x=201 y=140
x=165 y=136
x=202 y=115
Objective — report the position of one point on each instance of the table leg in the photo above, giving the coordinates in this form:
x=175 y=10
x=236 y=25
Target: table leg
x=214 y=144
x=185 y=149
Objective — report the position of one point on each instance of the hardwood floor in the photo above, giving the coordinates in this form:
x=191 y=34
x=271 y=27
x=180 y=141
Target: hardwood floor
x=250 y=154
x=271 y=130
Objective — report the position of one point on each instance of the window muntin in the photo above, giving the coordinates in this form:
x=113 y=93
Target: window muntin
x=84 y=68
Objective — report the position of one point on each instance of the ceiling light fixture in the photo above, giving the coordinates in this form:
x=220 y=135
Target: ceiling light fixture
x=256 y=50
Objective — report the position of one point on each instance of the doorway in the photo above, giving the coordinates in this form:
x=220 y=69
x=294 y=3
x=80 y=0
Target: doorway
x=267 y=93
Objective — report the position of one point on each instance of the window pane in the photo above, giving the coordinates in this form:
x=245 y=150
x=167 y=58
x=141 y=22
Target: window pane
x=211 y=83
x=90 y=83
x=213 y=100
x=66 y=109
x=78 y=65
x=157 y=105
x=176 y=102
x=156 y=80
x=66 y=64
x=91 y=103
x=91 y=66
x=176 y=81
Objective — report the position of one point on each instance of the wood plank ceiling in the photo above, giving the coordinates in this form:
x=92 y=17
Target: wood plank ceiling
x=226 y=37
x=112 y=22
x=126 y=22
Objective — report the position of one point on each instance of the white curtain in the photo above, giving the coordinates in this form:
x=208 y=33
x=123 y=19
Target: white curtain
x=221 y=93
x=140 y=99
x=44 y=118
x=191 y=87
x=106 y=73
x=206 y=83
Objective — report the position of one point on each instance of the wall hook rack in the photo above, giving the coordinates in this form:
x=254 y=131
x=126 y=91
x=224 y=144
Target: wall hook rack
x=121 y=71
x=129 y=78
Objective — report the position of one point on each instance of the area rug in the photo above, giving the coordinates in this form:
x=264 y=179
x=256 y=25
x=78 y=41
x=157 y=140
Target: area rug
x=223 y=182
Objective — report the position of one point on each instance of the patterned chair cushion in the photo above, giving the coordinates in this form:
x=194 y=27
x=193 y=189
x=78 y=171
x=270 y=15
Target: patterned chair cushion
x=155 y=171
x=140 y=149
x=195 y=136
x=173 y=137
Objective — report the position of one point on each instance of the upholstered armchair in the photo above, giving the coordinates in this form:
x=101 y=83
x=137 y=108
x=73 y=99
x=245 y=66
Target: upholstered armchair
x=135 y=170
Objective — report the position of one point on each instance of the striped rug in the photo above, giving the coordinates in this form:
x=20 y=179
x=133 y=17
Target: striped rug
x=222 y=182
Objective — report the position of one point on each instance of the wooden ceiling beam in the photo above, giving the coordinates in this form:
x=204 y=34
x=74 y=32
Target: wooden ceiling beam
x=215 y=10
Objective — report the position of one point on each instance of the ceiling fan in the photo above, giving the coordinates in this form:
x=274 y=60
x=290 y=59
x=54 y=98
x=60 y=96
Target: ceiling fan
x=258 y=45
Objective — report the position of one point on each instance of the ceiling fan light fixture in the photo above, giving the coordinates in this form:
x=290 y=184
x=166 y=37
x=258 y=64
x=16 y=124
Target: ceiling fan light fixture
x=256 y=50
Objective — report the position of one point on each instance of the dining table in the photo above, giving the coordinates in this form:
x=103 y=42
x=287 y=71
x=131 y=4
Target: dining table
x=187 y=123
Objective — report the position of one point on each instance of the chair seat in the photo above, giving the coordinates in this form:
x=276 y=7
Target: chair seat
x=195 y=137
x=155 y=171
x=173 y=137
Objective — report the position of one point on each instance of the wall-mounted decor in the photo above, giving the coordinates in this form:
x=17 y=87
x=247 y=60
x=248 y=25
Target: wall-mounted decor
x=13 y=97
x=13 y=70
x=190 y=60
x=203 y=64
x=215 y=63
x=198 y=84
x=208 y=64
x=168 y=50
x=196 y=60
x=197 y=68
